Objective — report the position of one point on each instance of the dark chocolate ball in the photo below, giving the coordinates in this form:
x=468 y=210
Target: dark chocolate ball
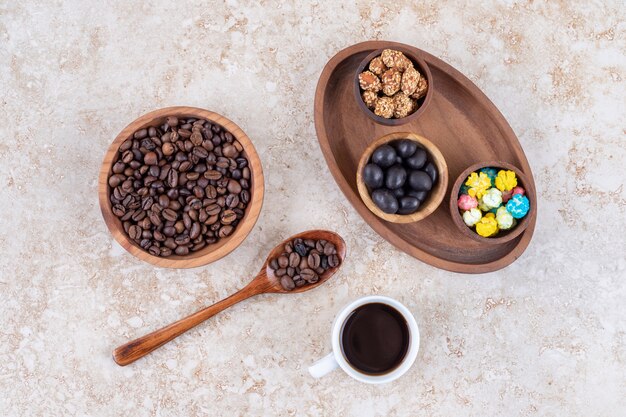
x=405 y=147
x=398 y=192
x=385 y=200
x=395 y=177
x=431 y=170
x=420 y=181
x=384 y=156
x=420 y=195
x=417 y=160
x=373 y=176
x=408 y=205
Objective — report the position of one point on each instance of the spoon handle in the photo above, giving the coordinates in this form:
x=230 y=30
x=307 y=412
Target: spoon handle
x=138 y=348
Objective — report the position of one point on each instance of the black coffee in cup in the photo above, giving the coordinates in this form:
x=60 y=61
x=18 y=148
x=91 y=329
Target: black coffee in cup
x=375 y=338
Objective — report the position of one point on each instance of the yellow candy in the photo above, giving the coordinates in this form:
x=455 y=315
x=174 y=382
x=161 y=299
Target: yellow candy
x=506 y=180
x=478 y=184
x=487 y=225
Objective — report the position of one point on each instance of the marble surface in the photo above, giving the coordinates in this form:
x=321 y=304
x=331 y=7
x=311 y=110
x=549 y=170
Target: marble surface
x=545 y=336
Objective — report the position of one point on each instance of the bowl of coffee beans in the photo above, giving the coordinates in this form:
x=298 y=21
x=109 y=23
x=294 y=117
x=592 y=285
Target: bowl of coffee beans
x=402 y=177
x=181 y=187
x=393 y=86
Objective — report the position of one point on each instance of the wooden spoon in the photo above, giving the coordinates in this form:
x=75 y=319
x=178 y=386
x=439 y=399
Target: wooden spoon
x=264 y=282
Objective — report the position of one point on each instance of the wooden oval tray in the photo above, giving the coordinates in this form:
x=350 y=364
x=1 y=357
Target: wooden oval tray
x=460 y=120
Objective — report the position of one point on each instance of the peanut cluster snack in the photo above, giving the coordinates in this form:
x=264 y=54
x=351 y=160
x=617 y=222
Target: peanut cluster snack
x=391 y=87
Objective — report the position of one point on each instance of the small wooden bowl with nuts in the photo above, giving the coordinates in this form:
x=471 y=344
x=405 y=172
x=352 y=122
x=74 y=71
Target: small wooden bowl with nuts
x=181 y=187
x=393 y=86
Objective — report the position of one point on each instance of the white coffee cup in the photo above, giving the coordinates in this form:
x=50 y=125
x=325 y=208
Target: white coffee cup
x=337 y=358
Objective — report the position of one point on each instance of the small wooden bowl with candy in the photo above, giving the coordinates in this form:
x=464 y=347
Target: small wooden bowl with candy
x=490 y=202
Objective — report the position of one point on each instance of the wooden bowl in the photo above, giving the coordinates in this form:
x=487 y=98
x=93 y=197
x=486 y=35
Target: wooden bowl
x=212 y=252
x=420 y=65
x=436 y=195
x=504 y=235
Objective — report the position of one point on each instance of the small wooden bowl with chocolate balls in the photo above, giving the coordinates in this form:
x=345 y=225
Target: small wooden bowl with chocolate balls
x=181 y=187
x=402 y=177
x=393 y=86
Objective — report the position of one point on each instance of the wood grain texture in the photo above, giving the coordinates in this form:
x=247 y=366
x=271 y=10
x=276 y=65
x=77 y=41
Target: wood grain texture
x=435 y=196
x=264 y=282
x=210 y=253
x=504 y=235
x=460 y=120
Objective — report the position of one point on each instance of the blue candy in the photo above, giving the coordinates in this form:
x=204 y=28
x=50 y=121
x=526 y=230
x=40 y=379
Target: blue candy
x=464 y=189
x=518 y=206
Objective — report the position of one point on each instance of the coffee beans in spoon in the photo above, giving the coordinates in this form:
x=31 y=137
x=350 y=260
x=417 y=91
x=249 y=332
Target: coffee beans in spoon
x=180 y=186
x=399 y=176
x=303 y=261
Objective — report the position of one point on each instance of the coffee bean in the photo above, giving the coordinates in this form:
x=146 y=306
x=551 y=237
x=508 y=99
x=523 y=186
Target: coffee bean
x=182 y=239
x=244 y=196
x=172 y=121
x=169 y=214
x=314 y=260
x=300 y=248
x=213 y=209
x=200 y=152
x=308 y=274
x=195 y=230
x=182 y=250
x=154 y=219
x=232 y=200
x=304 y=263
x=287 y=283
x=291 y=271
x=280 y=272
x=154 y=251
x=119 y=210
x=294 y=259
x=212 y=175
x=274 y=263
x=333 y=261
x=150 y=158
x=134 y=232
x=234 y=187
x=165 y=252
x=228 y=216
x=283 y=261
x=329 y=249
x=225 y=231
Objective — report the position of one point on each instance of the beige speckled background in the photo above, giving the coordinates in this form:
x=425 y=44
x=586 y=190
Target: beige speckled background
x=545 y=336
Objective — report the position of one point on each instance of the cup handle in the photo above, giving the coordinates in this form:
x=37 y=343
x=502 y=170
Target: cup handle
x=323 y=366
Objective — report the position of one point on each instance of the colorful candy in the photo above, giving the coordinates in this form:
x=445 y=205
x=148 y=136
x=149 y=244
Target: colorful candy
x=491 y=200
x=518 y=206
x=506 y=195
x=467 y=202
x=506 y=180
x=492 y=173
x=504 y=218
x=518 y=190
x=487 y=225
x=478 y=184
x=472 y=216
